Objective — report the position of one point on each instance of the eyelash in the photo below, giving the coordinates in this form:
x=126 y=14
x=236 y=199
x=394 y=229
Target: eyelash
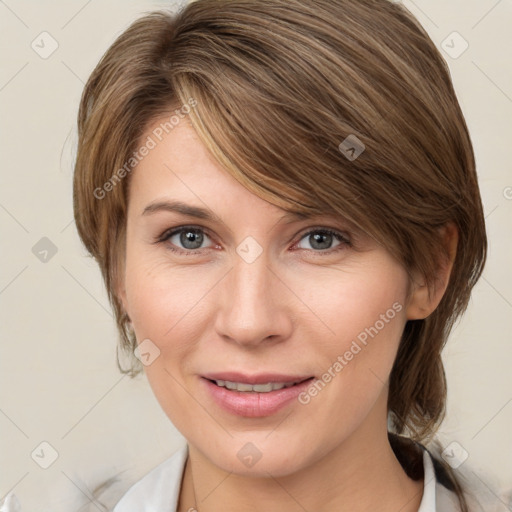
x=166 y=235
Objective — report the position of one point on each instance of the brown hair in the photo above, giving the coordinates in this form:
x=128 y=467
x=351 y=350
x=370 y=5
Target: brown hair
x=277 y=86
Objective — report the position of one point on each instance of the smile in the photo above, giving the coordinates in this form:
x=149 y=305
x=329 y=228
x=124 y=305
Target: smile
x=258 y=388
x=263 y=398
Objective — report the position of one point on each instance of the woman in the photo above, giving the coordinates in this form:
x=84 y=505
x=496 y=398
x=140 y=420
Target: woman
x=282 y=199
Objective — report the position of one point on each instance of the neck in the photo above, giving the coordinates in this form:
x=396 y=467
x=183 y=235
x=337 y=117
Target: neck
x=361 y=474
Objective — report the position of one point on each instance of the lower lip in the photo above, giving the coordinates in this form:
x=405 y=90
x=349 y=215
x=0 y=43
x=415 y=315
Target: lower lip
x=252 y=404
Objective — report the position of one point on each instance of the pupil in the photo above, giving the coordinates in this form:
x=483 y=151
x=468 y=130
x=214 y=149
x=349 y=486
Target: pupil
x=187 y=237
x=318 y=237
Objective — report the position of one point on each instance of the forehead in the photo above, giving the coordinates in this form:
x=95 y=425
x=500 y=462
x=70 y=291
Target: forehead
x=178 y=174
x=179 y=169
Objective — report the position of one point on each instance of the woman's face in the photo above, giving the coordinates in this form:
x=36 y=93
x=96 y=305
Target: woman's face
x=246 y=294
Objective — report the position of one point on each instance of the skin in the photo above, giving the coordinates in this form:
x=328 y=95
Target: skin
x=293 y=310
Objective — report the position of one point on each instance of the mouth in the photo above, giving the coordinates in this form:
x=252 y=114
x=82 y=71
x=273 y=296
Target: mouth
x=245 y=387
x=256 y=396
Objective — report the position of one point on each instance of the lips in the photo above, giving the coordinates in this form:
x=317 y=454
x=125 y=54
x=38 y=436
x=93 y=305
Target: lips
x=254 y=395
x=261 y=378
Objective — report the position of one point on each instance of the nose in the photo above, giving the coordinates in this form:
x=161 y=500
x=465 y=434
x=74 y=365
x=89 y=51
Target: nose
x=254 y=304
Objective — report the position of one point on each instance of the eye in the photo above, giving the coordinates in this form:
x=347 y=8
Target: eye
x=185 y=240
x=188 y=240
x=321 y=240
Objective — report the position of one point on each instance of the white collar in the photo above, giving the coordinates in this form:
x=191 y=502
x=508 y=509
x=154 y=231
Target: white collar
x=428 y=502
x=159 y=490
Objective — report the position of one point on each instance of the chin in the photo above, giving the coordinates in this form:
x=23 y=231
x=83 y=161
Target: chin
x=251 y=454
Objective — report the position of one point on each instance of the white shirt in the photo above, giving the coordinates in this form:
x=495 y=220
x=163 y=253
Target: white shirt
x=159 y=490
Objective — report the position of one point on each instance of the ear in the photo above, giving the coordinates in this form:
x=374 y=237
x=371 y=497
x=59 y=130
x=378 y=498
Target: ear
x=424 y=300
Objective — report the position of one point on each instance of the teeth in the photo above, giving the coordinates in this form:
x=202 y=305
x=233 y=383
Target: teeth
x=259 y=388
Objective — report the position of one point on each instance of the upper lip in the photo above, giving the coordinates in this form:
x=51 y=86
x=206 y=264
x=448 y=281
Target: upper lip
x=260 y=378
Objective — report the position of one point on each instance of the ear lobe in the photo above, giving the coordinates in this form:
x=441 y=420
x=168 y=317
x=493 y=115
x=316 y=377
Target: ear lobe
x=424 y=299
x=418 y=306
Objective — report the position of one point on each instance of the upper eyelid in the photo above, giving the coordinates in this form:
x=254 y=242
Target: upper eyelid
x=173 y=231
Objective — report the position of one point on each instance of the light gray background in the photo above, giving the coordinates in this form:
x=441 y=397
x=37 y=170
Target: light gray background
x=59 y=380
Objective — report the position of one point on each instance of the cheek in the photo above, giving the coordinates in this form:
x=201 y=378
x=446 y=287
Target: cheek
x=364 y=313
x=162 y=302
x=373 y=319
x=357 y=305
x=172 y=307
x=166 y=308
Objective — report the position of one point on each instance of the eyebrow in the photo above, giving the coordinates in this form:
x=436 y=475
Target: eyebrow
x=207 y=214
